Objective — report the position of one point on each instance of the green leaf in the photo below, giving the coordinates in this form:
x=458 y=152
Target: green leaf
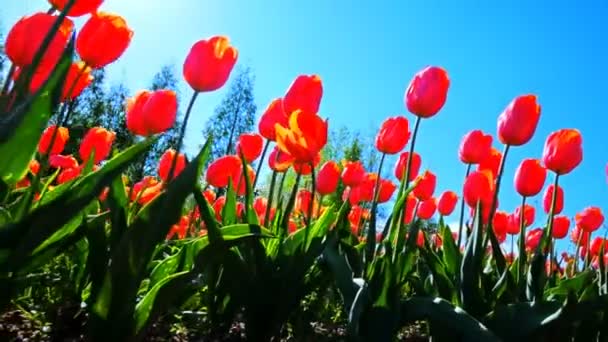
x=24 y=126
x=451 y=253
x=442 y=281
x=519 y=321
x=341 y=271
x=445 y=316
x=471 y=269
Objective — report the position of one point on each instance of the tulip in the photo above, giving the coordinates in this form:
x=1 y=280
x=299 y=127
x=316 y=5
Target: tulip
x=218 y=207
x=279 y=161
x=427 y=92
x=224 y=170
x=548 y=198
x=250 y=146
x=166 y=163
x=61 y=138
x=401 y=165
x=353 y=173
x=151 y=112
x=64 y=162
x=386 y=190
x=328 y=178
x=513 y=224
x=492 y=162
x=77 y=79
x=590 y=219
x=103 y=39
x=393 y=135
x=517 y=123
x=80 y=7
x=25 y=39
x=597 y=245
x=408 y=209
x=447 y=203
x=67 y=175
x=209 y=195
x=427 y=208
x=580 y=234
x=475 y=147
x=97 y=140
x=274 y=114
x=533 y=238
x=304 y=94
x=530 y=177
x=304 y=138
x=305 y=169
x=500 y=222
x=563 y=151
x=33 y=168
x=478 y=187
x=426 y=186
x=529 y=213
x=561 y=224
x=209 y=63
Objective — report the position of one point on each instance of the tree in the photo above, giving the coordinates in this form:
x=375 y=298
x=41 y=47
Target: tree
x=234 y=115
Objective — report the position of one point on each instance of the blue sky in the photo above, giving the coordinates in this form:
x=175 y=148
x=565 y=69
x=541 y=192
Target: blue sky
x=366 y=55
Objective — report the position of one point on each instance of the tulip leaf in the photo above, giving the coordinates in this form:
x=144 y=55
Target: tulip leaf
x=451 y=254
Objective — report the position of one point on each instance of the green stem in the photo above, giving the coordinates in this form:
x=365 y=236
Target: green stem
x=312 y=197
x=260 y=162
x=408 y=169
x=273 y=181
x=461 y=221
x=182 y=133
x=8 y=79
x=521 y=259
x=370 y=241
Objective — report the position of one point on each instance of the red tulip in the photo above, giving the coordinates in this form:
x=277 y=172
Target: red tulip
x=533 y=238
x=209 y=63
x=353 y=173
x=209 y=195
x=590 y=219
x=475 y=147
x=478 y=187
x=408 y=209
x=80 y=7
x=218 y=207
x=61 y=138
x=426 y=186
x=561 y=224
x=386 y=190
x=302 y=204
x=517 y=123
x=427 y=208
x=563 y=151
x=67 y=175
x=166 y=162
x=578 y=233
x=151 y=112
x=328 y=178
x=279 y=161
x=305 y=169
x=548 y=198
x=491 y=163
x=25 y=39
x=500 y=222
x=103 y=39
x=447 y=203
x=304 y=138
x=250 y=145
x=597 y=244
x=513 y=224
x=77 y=79
x=427 y=92
x=529 y=214
x=401 y=165
x=97 y=140
x=64 y=162
x=224 y=170
x=393 y=135
x=274 y=114
x=304 y=94
x=530 y=177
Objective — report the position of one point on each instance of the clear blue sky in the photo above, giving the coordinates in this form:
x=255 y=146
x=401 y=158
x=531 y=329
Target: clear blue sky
x=366 y=55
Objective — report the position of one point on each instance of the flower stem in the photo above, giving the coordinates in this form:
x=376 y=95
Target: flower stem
x=273 y=181
x=469 y=166
x=408 y=169
x=182 y=133
x=260 y=162
x=370 y=241
x=521 y=259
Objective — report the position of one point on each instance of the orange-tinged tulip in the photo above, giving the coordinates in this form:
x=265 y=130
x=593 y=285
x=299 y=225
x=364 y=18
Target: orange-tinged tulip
x=548 y=198
x=61 y=138
x=589 y=219
x=353 y=173
x=142 y=185
x=209 y=63
x=561 y=224
x=59 y=161
x=305 y=169
x=80 y=7
x=427 y=208
x=224 y=170
x=401 y=165
x=491 y=163
x=305 y=136
x=250 y=145
x=478 y=187
x=209 y=195
x=279 y=161
x=500 y=222
x=304 y=94
x=98 y=140
x=328 y=178
x=166 y=161
x=355 y=217
x=447 y=203
x=475 y=147
x=151 y=112
x=563 y=151
x=78 y=78
x=517 y=123
x=529 y=214
x=393 y=135
x=530 y=177
x=34 y=168
x=427 y=92
x=274 y=114
x=26 y=36
x=103 y=39
x=426 y=187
